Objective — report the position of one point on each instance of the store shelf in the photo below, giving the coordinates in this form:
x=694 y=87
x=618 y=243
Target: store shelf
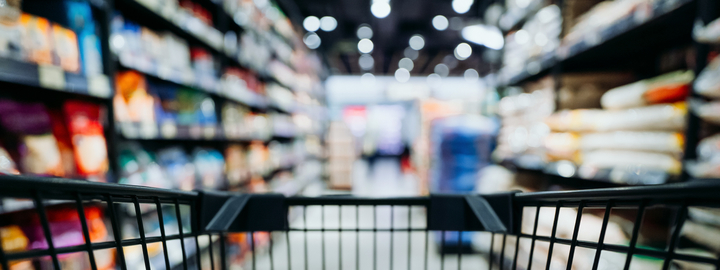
x=171 y=132
x=534 y=70
x=252 y=100
x=53 y=78
x=628 y=43
x=549 y=178
x=138 y=12
x=669 y=25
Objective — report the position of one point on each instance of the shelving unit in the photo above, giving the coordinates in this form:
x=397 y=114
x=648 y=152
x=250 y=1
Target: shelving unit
x=55 y=85
x=620 y=46
x=630 y=44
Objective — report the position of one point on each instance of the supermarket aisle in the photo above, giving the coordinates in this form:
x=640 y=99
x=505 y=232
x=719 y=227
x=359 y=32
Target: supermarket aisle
x=365 y=249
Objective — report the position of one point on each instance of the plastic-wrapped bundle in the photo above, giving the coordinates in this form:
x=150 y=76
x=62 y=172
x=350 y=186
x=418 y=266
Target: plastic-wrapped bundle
x=624 y=158
x=708 y=158
x=663 y=117
x=707 y=34
x=574 y=120
x=668 y=88
x=666 y=117
x=708 y=82
x=668 y=142
x=708 y=111
x=562 y=146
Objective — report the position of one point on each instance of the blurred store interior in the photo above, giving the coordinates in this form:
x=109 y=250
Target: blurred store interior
x=365 y=98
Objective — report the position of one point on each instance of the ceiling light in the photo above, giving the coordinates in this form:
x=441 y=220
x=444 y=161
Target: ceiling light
x=442 y=70
x=488 y=36
x=366 y=62
x=440 y=22
x=311 y=23
x=471 y=75
x=380 y=9
x=365 y=45
x=364 y=31
x=402 y=75
x=312 y=40
x=462 y=6
x=328 y=23
x=410 y=53
x=417 y=42
x=406 y=63
x=463 y=51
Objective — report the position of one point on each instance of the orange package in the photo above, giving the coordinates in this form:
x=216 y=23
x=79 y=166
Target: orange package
x=66 y=48
x=36 y=39
x=132 y=103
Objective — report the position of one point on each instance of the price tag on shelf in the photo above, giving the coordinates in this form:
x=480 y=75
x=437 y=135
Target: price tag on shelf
x=209 y=132
x=168 y=130
x=99 y=85
x=148 y=130
x=129 y=130
x=195 y=131
x=52 y=77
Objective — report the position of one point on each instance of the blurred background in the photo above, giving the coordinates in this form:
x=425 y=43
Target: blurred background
x=371 y=98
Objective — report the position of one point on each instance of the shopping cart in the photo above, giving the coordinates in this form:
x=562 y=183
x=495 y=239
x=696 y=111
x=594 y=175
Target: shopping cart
x=217 y=217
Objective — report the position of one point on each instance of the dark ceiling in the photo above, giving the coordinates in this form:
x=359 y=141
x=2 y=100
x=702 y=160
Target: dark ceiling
x=391 y=34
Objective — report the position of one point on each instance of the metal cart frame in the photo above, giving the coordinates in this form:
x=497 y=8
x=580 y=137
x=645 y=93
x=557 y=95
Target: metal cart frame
x=219 y=213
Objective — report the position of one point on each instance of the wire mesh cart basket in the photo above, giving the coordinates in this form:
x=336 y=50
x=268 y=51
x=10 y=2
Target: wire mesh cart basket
x=667 y=226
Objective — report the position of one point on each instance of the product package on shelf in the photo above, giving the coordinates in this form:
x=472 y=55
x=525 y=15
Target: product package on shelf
x=254 y=53
x=243 y=85
x=601 y=15
x=282 y=125
x=536 y=42
x=80 y=44
x=522 y=133
x=236 y=165
x=204 y=67
x=637 y=138
x=33 y=144
x=149 y=109
x=11 y=31
x=280 y=97
x=86 y=134
x=190 y=17
x=67 y=142
x=140 y=167
x=163 y=55
x=133 y=104
x=709 y=34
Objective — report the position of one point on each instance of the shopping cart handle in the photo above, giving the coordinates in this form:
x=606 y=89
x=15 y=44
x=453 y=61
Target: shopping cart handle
x=227 y=213
x=485 y=214
x=235 y=212
x=452 y=212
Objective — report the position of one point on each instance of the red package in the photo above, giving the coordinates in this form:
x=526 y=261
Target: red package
x=669 y=93
x=59 y=130
x=86 y=133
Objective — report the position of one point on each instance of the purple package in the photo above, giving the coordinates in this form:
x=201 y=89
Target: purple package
x=24 y=118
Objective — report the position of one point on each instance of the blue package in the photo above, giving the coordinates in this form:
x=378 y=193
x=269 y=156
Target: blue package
x=81 y=21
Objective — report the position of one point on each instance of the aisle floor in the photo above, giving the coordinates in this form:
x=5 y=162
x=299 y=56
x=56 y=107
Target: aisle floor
x=365 y=249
